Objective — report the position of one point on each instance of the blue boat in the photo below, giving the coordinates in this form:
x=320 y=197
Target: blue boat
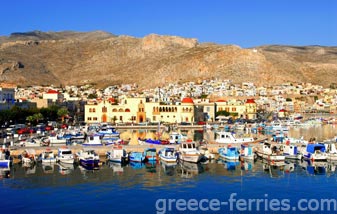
x=314 y=152
x=88 y=158
x=150 y=154
x=229 y=153
x=137 y=157
x=5 y=160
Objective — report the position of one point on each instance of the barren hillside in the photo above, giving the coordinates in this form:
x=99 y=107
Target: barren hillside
x=103 y=58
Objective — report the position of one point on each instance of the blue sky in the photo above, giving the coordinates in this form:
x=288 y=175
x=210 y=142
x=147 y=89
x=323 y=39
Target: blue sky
x=245 y=23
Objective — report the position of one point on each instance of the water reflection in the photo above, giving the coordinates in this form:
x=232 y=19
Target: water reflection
x=321 y=132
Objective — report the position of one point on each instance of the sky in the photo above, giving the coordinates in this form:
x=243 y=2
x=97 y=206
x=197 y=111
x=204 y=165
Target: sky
x=246 y=23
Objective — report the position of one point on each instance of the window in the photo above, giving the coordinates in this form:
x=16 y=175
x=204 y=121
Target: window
x=121 y=118
x=104 y=109
x=89 y=118
x=93 y=110
x=94 y=118
x=154 y=118
x=90 y=110
x=208 y=109
x=233 y=109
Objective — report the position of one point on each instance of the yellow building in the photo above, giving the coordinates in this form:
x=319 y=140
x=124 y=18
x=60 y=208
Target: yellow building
x=138 y=110
x=236 y=108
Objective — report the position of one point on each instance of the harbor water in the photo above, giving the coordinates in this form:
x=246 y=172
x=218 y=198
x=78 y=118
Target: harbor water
x=212 y=187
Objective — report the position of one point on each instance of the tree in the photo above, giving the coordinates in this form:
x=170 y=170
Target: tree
x=37 y=117
x=222 y=113
x=62 y=112
x=30 y=119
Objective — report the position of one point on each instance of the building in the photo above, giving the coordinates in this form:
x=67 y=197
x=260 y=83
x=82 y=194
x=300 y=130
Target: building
x=139 y=110
x=7 y=98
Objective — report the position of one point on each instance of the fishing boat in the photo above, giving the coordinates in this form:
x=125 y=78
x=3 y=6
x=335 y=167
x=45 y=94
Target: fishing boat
x=229 y=152
x=269 y=152
x=314 y=152
x=5 y=159
x=177 y=138
x=65 y=155
x=168 y=154
x=109 y=139
x=47 y=156
x=118 y=155
x=107 y=129
x=331 y=151
x=189 y=152
x=246 y=152
x=88 y=158
x=28 y=156
x=290 y=151
x=150 y=154
x=93 y=140
x=229 y=138
x=137 y=157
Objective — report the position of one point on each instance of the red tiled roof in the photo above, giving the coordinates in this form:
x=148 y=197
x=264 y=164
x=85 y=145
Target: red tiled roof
x=250 y=101
x=187 y=100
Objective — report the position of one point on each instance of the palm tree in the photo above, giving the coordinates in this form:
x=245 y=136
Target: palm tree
x=38 y=117
x=30 y=119
x=62 y=112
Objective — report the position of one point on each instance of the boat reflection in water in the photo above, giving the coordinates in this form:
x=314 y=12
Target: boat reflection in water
x=189 y=170
x=274 y=170
x=168 y=167
x=116 y=167
x=65 y=168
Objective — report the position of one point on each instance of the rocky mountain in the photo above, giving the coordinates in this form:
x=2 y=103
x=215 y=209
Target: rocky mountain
x=40 y=58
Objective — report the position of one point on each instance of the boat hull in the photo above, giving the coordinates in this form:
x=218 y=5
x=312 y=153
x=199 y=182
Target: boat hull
x=271 y=157
x=4 y=163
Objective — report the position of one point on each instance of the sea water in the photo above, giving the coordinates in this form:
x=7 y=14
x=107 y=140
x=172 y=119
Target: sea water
x=213 y=187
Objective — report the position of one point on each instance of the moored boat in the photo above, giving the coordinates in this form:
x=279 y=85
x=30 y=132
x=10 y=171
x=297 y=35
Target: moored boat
x=269 y=152
x=150 y=154
x=65 y=155
x=168 y=154
x=229 y=138
x=88 y=158
x=117 y=154
x=47 y=156
x=137 y=157
x=229 y=152
x=314 y=152
x=189 y=152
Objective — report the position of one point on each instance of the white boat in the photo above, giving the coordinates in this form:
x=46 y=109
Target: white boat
x=314 y=152
x=189 y=152
x=65 y=155
x=229 y=138
x=47 y=156
x=117 y=154
x=56 y=140
x=168 y=154
x=177 y=138
x=93 y=140
x=28 y=156
x=270 y=153
x=109 y=139
x=291 y=151
x=331 y=151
